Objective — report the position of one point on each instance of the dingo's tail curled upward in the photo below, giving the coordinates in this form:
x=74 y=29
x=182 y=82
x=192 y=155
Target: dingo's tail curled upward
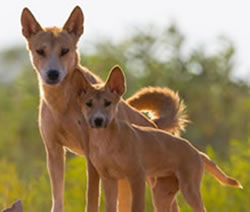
x=166 y=106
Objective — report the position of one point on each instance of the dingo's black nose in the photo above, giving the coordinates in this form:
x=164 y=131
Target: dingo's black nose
x=53 y=75
x=98 y=122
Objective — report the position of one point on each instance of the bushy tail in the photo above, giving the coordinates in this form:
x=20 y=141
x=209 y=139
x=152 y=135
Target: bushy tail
x=212 y=168
x=166 y=106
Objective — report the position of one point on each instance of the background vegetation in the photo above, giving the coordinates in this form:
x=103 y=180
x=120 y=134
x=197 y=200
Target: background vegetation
x=217 y=103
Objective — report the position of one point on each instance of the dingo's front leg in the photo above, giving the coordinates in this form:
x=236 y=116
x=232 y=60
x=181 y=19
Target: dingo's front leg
x=110 y=187
x=55 y=162
x=137 y=184
x=93 y=188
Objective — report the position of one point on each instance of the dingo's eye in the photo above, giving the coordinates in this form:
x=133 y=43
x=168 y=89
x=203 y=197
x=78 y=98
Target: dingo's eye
x=64 y=51
x=106 y=103
x=89 y=103
x=40 y=52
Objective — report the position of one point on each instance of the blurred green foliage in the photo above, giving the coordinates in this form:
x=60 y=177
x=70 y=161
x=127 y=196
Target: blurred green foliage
x=218 y=106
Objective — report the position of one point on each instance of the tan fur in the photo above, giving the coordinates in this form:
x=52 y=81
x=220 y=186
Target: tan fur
x=167 y=107
x=61 y=125
x=211 y=167
x=121 y=150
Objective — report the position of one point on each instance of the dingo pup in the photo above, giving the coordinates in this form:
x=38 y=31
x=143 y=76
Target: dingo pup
x=119 y=149
x=55 y=58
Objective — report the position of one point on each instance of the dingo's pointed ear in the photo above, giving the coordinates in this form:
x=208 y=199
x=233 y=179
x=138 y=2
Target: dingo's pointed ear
x=116 y=81
x=74 y=24
x=30 y=26
x=82 y=84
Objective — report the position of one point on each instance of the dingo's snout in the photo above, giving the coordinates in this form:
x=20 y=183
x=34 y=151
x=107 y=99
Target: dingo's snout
x=53 y=76
x=98 y=121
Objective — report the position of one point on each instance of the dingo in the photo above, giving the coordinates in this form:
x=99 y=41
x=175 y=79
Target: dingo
x=54 y=57
x=119 y=149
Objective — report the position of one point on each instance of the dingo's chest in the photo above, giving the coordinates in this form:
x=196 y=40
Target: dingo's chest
x=73 y=133
x=105 y=161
